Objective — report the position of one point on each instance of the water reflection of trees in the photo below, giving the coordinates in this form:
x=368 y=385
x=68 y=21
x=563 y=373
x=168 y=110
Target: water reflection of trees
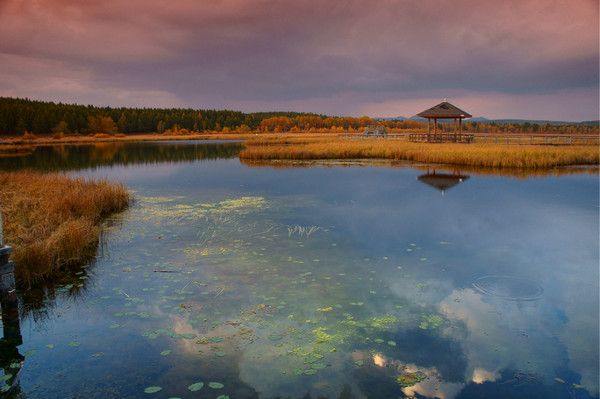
x=73 y=157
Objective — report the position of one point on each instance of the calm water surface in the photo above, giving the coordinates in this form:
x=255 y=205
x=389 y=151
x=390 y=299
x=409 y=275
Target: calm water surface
x=230 y=280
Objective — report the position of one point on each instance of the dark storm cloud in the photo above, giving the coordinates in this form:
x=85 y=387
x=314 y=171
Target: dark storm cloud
x=343 y=57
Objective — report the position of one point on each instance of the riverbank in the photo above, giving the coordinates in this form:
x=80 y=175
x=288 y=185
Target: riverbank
x=324 y=146
x=475 y=155
x=11 y=143
x=52 y=221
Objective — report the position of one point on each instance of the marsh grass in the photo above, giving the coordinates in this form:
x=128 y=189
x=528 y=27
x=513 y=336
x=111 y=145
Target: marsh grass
x=52 y=221
x=302 y=231
x=8 y=143
x=476 y=155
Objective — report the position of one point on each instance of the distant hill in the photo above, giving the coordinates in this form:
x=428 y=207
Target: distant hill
x=541 y=122
x=482 y=119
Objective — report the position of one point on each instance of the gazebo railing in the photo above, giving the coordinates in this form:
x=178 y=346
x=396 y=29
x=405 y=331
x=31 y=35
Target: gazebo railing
x=441 y=137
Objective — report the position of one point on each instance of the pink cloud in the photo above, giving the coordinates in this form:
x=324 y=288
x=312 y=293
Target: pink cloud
x=336 y=57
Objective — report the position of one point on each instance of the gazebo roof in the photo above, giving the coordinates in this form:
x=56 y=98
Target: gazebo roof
x=444 y=110
x=442 y=181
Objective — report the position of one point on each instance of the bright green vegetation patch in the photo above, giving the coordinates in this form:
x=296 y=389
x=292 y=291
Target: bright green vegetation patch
x=409 y=379
x=430 y=322
x=384 y=322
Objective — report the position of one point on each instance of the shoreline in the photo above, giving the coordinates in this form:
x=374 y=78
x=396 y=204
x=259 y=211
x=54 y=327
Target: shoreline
x=498 y=156
x=331 y=146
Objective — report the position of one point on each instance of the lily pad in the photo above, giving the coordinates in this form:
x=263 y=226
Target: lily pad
x=152 y=389
x=196 y=386
x=215 y=385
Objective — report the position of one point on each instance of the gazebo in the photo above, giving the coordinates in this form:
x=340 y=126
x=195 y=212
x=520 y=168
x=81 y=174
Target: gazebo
x=445 y=110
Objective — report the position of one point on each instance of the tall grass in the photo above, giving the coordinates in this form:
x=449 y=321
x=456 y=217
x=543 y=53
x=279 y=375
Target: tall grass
x=53 y=221
x=478 y=155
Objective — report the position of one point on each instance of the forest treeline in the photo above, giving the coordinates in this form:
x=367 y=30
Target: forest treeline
x=20 y=116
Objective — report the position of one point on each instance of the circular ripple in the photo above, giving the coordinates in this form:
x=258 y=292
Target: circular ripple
x=509 y=287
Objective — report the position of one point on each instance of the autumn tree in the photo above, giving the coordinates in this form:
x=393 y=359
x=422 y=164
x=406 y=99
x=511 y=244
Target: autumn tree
x=101 y=124
x=61 y=127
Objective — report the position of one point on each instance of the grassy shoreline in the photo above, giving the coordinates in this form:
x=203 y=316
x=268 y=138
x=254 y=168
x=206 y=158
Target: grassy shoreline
x=11 y=142
x=475 y=155
x=54 y=221
x=329 y=146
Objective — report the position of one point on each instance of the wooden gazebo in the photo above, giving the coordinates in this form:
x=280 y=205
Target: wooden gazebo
x=444 y=110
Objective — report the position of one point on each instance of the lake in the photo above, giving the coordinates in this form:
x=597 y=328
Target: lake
x=323 y=280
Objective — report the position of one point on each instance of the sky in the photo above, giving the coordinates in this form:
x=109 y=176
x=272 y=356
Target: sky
x=529 y=59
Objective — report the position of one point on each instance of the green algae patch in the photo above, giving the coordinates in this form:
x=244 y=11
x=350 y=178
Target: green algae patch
x=321 y=336
x=430 y=322
x=384 y=322
x=240 y=204
x=410 y=379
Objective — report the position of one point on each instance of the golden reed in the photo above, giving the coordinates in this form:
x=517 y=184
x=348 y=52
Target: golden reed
x=53 y=220
x=479 y=155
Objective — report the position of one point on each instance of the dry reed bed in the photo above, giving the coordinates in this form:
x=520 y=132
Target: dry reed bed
x=477 y=155
x=53 y=221
x=10 y=143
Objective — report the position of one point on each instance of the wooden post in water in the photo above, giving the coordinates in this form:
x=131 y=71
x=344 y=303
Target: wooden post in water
x=11 y=360
x=7 y=271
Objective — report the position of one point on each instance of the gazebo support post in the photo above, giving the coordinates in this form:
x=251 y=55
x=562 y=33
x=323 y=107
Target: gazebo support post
x=428 y=128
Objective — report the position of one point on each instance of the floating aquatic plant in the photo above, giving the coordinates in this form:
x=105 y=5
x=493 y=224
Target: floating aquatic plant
x=215 y=385
x=431 y=321
x=196 y=386
x=384 y=322
x=408 y=379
